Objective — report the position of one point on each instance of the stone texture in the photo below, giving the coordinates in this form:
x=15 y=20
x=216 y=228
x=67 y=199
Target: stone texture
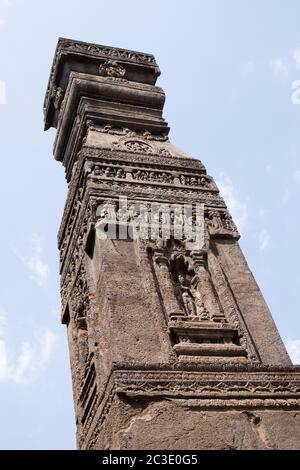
x=171 y=347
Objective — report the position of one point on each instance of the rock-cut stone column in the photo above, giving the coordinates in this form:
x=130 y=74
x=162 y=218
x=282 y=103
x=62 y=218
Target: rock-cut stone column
x=170 y=347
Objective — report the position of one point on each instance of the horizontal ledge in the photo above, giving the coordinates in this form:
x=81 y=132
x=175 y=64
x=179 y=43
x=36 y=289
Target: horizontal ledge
x=191 y=349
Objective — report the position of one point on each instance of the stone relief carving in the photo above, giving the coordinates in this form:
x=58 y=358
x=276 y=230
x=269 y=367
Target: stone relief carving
x=87 y=386
x=192 y=281
x=203 y=385
x=108 y=171
x=112 y=69
x=58 y=96
x=75 y=246
x=132 y=141
x=173 y=193
x=177 y=162
x=221 y=223
x=109 y=52
x=125 y=131
x=186 y=289
x=163 y=177
x=216 y=331
x=188 y=180
x=79 y=307
x=133 y=145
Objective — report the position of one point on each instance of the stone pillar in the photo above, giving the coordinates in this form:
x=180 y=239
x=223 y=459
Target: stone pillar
x=162 y=270
x=164 y=341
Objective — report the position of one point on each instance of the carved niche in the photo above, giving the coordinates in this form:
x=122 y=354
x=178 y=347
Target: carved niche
x=200 y=326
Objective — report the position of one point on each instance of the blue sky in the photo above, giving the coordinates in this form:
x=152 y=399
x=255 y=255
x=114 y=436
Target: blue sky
x=227 y=69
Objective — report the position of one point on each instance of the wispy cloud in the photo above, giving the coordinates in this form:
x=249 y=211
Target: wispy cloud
x=293 y=348
x=264 y=240
x=279 y=66
x=296 y=57
x=284 y=65
x=237 y=207
x=297 y=175
x=38 y=270
x=32 y=359
x=3 y=316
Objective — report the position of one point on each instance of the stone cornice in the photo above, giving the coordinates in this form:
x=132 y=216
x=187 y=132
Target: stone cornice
x=140 y=67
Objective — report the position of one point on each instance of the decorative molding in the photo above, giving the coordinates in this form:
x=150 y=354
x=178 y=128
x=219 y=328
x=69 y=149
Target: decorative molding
x=204 y=390
x=193 y=194
x=180 y=163
x=205 y=383
x=144 y=175
x=105 y=51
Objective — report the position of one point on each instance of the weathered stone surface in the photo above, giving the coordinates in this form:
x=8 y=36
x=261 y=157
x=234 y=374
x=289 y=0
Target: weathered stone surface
x=172 y=345
x=179 y=425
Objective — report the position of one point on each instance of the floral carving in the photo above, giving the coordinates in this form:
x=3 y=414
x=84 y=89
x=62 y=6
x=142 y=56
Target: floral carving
x=134 y=146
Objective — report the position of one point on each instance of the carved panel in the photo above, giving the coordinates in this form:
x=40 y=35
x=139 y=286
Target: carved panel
x=220 y=224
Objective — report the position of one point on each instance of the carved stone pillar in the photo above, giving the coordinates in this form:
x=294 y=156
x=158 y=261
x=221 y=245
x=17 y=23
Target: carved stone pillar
x=163 y=340
x=204 y=289
x=162 y=270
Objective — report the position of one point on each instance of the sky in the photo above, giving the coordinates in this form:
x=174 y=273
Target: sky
x=231 y=71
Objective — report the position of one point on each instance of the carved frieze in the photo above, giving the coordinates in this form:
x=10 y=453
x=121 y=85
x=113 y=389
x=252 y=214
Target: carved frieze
x=148 y=175
x=203 y=384
x=109 y=52
x=177 y=162
x=126 y=132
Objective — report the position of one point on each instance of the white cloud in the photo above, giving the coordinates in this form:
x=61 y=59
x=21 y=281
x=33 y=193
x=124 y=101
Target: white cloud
x=237 y=207
x=297 y=175
x=31 y=361
x=296 y=57
x=279 y=66
x=3 y=316
x=282 y=66
x=293 y=348
x=38 y=270
x=4 y=5
x=264 y=240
